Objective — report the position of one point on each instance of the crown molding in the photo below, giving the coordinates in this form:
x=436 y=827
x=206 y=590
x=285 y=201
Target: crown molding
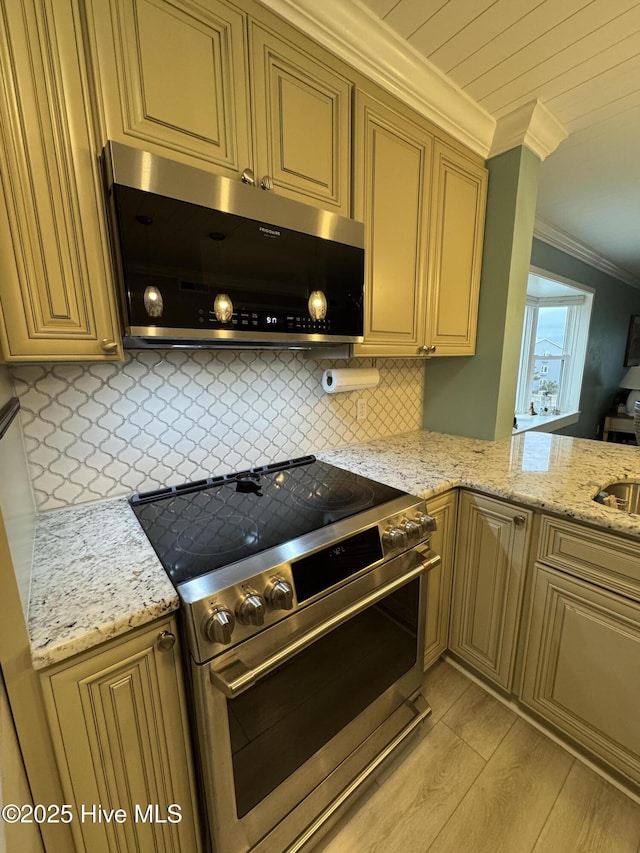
x=352 y=32
x=532 y=125
x=559 y=239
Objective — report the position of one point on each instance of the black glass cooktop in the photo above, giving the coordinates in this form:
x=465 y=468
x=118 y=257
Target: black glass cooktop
x=211 y=523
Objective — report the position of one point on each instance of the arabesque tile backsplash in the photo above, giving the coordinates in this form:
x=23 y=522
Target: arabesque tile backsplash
x=163 y=417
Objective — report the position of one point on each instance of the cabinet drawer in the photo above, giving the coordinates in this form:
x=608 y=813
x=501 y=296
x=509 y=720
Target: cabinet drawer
x=591 y=554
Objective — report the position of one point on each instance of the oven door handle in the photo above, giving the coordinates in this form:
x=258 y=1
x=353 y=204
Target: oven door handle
x=234 y=677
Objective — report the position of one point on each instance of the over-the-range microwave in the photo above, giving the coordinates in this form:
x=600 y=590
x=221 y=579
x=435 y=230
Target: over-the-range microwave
x=204 y=261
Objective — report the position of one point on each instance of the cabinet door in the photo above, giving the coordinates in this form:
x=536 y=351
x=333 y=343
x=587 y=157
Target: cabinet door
x=392 y=168
x=171 y=78
x=457 y=234
x=582 y=666
x=302 y=114
x=55 y=285
x=119 y=724
x=491 y=553
x=443 y=509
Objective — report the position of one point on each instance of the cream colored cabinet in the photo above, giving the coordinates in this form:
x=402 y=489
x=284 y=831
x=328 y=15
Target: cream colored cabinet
x=582 y=655
x=488 y=583
x=207 y=84
x=119 y=725
x=170 y=77
x=302 y=121
x=457 y=234
x=423 y=204
x=56 y=297
x=392 y=179
x=582 y=666
x=443 y=509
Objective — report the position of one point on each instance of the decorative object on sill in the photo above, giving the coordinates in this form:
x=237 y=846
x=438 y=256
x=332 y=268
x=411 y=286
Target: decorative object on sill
x=515 y=422
x=350 y=379
x=636 y=421
x=532 y=411
x=632 y=352
x=632 y=381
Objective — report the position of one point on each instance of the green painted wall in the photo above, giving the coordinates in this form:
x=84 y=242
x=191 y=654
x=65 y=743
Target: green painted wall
x=614 y=303
x=475 y=396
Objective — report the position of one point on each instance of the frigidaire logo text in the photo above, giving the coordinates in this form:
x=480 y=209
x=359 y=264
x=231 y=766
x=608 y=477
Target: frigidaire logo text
x=270 y=232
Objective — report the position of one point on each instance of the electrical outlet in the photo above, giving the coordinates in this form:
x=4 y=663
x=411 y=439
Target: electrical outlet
x=361 y=410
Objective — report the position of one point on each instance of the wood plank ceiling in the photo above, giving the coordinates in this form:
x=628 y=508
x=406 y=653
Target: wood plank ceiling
x=581 y=58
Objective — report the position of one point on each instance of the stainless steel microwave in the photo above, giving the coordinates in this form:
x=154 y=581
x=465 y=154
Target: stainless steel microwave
x=204 y=261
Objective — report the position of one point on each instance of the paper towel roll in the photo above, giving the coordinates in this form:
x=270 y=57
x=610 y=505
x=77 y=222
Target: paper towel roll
x=350 y=379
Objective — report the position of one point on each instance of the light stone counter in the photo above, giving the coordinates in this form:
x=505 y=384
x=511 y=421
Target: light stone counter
x=96 y=576
x=554 y=473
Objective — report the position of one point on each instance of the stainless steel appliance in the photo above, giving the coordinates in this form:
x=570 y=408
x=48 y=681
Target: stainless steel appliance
x=303 y=590
x=205 y=261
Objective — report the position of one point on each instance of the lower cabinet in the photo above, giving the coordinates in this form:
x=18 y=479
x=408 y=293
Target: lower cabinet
x=488 y=584
x=582 y=666
x=443 y=508
x=119 y=726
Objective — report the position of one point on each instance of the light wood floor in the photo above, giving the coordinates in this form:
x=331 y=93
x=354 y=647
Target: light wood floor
x=482 y=780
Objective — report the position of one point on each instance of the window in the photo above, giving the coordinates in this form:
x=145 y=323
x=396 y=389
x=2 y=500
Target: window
x=554 y=344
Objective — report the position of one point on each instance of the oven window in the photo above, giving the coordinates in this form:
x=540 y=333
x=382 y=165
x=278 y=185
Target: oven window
x=293 y=712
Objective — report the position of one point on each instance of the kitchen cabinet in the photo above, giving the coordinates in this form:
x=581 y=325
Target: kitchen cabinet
x=457 y=234
x=583 y=641
x=119 y=725
x=443 y=508
x=392 y=186
x=581 y=666
x=488 y=583
x=56 y=297
x=213 y=86
x=423 y=204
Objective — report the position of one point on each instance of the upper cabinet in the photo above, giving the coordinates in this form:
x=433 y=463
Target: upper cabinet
x=171 y=79
x=302 y=121
x=56 y=298
x=423 y=204
x=392 y=171
x=206 y=84
x=457 y=233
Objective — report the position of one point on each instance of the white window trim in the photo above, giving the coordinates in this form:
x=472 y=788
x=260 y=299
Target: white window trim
x=576 y=339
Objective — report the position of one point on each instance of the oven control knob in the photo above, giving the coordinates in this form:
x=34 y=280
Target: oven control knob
x=279 y=594
x=250 y=609
x=219 y=624
x=395 y=537
x=413 y=530
x=427 y=522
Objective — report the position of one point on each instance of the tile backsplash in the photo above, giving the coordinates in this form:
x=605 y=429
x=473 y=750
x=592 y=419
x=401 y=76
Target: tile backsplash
x=163 y=417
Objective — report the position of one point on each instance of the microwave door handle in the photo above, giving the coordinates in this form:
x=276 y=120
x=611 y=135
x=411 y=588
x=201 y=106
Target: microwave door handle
x=235 y=677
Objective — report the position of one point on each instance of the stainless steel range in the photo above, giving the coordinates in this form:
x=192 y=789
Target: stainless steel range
x=303 y=601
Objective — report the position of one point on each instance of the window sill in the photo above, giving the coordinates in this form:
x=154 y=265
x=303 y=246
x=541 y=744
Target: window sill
x=545 y=423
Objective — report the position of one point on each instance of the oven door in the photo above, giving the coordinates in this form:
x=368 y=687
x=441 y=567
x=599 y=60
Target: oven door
x=294 y=719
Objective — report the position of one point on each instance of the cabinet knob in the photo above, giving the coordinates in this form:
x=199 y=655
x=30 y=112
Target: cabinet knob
x=247 y=177
x=267 y=183
x=519 y=520
x=166 y=641
x=108 y=346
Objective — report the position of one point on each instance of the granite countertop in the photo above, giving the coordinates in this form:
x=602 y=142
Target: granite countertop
x=554 y=473
x=95 y=575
